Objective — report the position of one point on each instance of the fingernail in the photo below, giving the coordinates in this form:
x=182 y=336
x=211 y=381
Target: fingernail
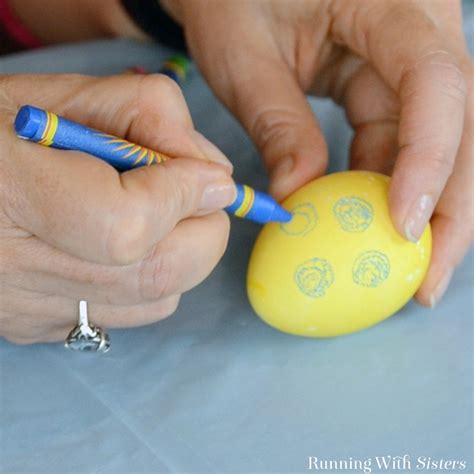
x=218 y=195
x=283 y=168
x=418 y=217
x=441 y=288
x=209 y=150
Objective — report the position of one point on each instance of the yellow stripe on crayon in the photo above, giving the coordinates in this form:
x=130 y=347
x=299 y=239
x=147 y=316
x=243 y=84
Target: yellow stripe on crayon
x=247 y=202
x=50 y=130
x=151 y=157
x=115 y=140
x=125 y=146
x=141 y=155
x=160 y=158
x=132 y=151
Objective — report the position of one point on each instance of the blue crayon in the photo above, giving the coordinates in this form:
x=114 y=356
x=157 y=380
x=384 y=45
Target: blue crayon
x=257 y=206
x=48 y=129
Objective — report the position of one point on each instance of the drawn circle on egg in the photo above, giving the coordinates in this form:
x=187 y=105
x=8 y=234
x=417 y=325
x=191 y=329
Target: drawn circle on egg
x=314 y=277
x=304 y=220
x=371 y=269
x=353 y=213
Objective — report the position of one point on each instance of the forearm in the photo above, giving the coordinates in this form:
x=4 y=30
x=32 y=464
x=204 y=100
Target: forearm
x=55 y=21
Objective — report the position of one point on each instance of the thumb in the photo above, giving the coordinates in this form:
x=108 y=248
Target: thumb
x=272 y=107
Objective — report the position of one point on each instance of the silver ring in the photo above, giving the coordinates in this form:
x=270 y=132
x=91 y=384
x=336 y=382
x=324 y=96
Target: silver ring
x=85 y=336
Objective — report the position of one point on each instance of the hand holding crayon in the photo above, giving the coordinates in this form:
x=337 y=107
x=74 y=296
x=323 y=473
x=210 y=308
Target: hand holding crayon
x=49 y=129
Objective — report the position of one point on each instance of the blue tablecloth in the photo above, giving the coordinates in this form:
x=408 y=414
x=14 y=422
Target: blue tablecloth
x=215 y=390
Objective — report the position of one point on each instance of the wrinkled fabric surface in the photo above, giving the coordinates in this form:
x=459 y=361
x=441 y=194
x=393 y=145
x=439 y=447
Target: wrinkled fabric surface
x=213 y=389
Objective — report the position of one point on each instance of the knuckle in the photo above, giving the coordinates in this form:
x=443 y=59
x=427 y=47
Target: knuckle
x=285 y=131
x=183 y=196
x=438 y=67
x=156 y=275
x=438 y=158
x=163 y=84
x=126 y=239
x=452 y=81
x=273 y=124
x=270 y=123
x=147 y=89
x=182 y=193
x=439 y=161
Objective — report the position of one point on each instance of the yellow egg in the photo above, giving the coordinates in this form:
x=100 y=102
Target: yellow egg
x=340 y=265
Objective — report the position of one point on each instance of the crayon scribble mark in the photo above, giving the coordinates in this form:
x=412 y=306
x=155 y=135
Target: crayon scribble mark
x=353 y=213
x=314 y=277
x=371 y=269
x=303 y=221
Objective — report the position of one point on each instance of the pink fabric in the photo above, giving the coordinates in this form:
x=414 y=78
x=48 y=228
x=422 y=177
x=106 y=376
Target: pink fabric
x=15 y=28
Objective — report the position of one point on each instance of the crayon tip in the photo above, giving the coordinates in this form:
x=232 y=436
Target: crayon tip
x=281 y=215
x=27 y=121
